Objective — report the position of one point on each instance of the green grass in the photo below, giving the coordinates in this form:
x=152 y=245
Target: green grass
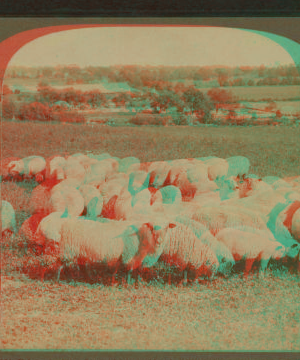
x=225 y=314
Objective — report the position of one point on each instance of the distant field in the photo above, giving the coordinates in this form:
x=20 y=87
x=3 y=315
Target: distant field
x=30 y=85
x=286 y=107
x=260 y=93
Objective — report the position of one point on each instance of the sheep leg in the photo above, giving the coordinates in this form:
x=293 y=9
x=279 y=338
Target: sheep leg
x=248 y=266
x=184 y=277
x=129 y=277
x=169 y=279
x=58 y=274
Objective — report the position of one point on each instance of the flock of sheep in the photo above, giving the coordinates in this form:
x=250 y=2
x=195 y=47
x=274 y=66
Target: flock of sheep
x=200 y=214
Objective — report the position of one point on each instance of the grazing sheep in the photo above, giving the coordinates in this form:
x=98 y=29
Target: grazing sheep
x=251 y=247
x=151 y=242
x=171 y=195
x=177 y=177
x=158 y=171
x=99 y=157
x=5 y=174
x=8 y=217
x=184 y=250
x=110 y=242
x=280 y=223
x=221 y=251
x=55 y=168
x=211 y=198
x=66 y=198
x=93 y=201
x=197 y=173
x=122 y=205
x=270 y=179
x=281 y=184
x=73 y=169
x=138 y=181
x=237 y=165
x=218 y=218
x=27 y=167
x=295 y=228
x=125 y=164
x=99 y=172
x=49 y=228
x=217 y=168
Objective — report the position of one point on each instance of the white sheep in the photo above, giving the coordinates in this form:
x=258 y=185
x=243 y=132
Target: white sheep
x=184 y=250
x=158 y=171
x=100 y=171
x=55 y=168
x=237 y=165
x=125 y=164
x=295 y=229
x=49 y=228
x=218 y=218
x=250 y=247
x=223 y=254
x=217 y=168
x=138 y=181
x=93 y=201
x=8 y=217
x=29 y=166
x=73 y=169
x=66 y=198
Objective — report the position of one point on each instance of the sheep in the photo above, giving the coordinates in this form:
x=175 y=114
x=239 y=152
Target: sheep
x=217 y=218
x=125 y=164
x=138 y=181
x=295 y=228
x=5 y=174
x=99 y=157
x=73 y=169
x=250 y=247
x=177 y=176
x=49 y=228
x=55 y=167
x=8 y=217
x=122 y=205
x=27 y=167
x=281 y=184
x=217 y=168
x=151 y=242
x=184 y=250
x=121 y=178
x=158 y=171
x=211 y=198
x=99 y=172
x=93 y=201
x=197 y=173
x=270 y=179
x=237 y=165
x=66 y=198
x=221 y=251
x=109 y=242
x=171 y=195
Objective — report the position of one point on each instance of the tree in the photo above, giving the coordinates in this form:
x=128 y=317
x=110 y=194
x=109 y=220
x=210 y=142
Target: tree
x=220 y=96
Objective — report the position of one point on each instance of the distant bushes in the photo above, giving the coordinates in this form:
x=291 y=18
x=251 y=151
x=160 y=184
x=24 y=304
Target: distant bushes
x=37 y=111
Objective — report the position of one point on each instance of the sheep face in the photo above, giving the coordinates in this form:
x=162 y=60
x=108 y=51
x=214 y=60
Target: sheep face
x=15 y=167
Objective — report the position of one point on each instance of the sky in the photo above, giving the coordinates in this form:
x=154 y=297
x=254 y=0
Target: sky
x=168 y=46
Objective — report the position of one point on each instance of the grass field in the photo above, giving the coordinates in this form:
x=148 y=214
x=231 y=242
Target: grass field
x=225 y=314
